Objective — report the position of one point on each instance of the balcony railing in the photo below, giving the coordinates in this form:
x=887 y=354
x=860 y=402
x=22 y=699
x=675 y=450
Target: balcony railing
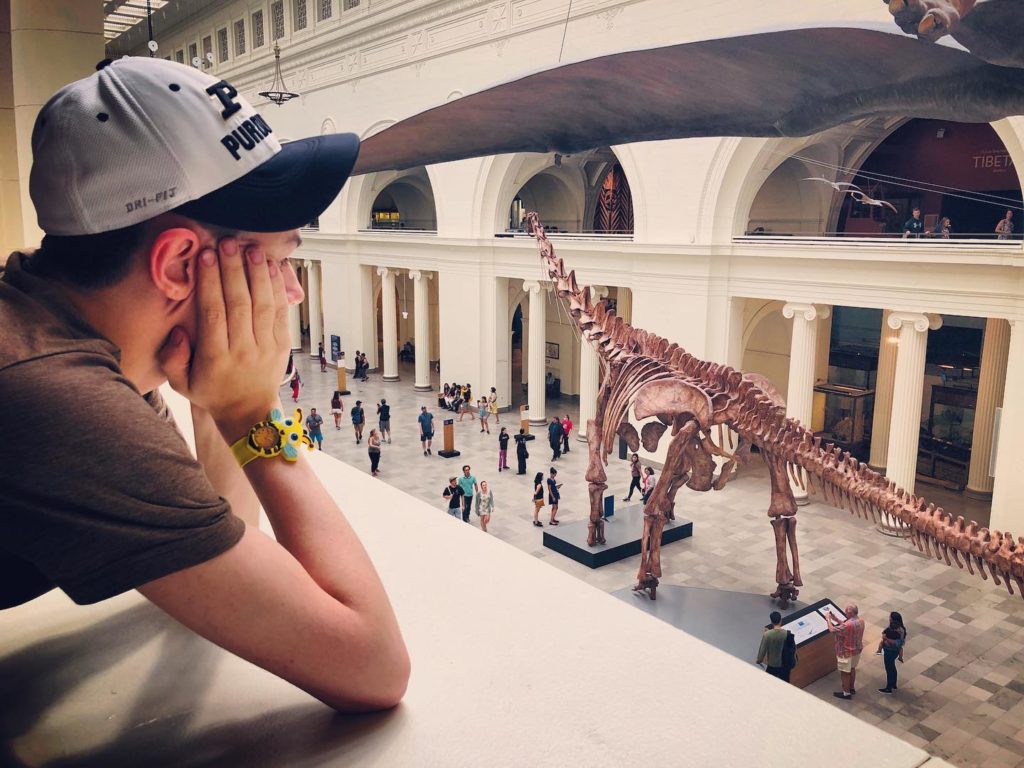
x=625 y=237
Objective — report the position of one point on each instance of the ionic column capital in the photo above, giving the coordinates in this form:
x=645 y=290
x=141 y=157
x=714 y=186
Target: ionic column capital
x=307 y=263
x=598 y=292
x=920 y=321
x=808 y=312
x=534 y=286
x=417 y=274
x=385 y=271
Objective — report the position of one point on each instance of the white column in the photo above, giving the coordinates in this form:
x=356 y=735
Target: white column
x=908 y=388
x=1007 y=509
x=389 y=312
x=535 y=366
x=590 y=373
x=295 y=323
x=802 y=354
x=316 y=318
x=421 y=306
x=991 y=387
x=888 y=344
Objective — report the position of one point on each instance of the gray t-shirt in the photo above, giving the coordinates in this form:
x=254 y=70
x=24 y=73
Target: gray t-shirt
x=101 y=494
x=313 y=422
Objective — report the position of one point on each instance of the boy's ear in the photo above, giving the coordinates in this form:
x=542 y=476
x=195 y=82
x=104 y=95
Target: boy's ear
x=172 y=262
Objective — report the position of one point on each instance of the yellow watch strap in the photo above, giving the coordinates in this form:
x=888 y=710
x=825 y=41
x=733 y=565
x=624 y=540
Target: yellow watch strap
x=242 y=452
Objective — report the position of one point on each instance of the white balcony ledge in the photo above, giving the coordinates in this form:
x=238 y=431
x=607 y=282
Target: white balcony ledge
x=514 y=663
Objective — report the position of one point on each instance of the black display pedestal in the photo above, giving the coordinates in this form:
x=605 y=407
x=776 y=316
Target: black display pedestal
x=622 y=536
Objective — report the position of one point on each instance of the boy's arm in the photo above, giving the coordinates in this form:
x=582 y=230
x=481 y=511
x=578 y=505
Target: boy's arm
x=310 y=606
x=226 y=477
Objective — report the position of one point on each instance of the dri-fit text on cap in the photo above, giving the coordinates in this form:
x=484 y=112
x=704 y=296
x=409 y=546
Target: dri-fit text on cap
x=249 y=133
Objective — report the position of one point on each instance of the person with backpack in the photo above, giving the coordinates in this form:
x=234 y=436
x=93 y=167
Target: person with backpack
x=773 y=648
x=358 y=419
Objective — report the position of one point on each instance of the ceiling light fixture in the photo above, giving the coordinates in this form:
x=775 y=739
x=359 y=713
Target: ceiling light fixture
x=278 y=94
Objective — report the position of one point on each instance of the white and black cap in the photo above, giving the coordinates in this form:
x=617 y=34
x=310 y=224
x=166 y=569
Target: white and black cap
x=143 y=136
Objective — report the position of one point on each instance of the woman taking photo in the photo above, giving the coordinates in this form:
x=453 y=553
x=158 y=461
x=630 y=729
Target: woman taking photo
x=891 y=648
x=538 y=498
x=484 y=505
x=483 y=413
x=373 y=448
x=522 y=454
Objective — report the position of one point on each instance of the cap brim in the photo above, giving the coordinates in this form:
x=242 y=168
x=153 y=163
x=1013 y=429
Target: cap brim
x=286 y=192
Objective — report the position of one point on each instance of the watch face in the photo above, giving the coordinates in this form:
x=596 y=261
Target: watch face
x=265 y=438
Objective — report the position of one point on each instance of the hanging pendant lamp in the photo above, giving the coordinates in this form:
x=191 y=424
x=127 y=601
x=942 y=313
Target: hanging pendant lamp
x=278 y=95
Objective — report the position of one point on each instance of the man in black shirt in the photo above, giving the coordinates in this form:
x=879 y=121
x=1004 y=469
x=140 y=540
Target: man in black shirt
x=914 y=226
x=384 y=415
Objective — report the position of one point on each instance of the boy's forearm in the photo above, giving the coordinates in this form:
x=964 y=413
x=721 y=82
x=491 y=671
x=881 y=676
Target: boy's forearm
x=226 y=477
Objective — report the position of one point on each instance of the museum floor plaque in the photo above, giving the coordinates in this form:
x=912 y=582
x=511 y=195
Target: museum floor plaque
x=622 y=535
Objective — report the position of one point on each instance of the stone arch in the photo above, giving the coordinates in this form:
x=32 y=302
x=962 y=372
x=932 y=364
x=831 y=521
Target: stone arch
x=503 y=176
x=766 y=341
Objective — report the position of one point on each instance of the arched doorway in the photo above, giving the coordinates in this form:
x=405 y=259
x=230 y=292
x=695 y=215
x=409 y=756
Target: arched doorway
x=583 y=193
x=406 y=204
x=958 y=170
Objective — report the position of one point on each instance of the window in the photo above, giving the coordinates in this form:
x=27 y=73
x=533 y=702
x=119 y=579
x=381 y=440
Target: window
x=277 y=20
x=222 y=44
x=348 y=5
x=324 y=9
x=257 y=29
x=207 y=51
x=193 y=53
x=179 y=56
x=239 y=37
x=300 y=14
x=167 y=58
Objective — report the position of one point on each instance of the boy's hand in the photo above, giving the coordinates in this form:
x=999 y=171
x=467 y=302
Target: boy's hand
x=232 y=366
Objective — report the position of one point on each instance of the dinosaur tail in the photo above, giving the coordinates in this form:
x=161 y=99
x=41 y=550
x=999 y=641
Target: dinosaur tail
x=849 y=484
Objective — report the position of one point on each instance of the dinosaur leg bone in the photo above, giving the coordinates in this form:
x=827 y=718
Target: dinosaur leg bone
x=596 y=478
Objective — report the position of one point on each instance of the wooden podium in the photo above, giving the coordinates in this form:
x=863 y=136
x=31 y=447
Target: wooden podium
x=524 y=422
x=449 y=451
x=342 y=378
x=815 y=646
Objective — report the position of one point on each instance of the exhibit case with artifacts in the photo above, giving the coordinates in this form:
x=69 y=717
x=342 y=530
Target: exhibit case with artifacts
x=843 y=416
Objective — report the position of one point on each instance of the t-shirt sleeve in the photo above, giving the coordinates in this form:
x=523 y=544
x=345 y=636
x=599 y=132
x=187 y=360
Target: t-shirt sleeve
x=101 y=492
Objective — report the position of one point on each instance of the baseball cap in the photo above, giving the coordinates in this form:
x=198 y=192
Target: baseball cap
x=143 y=136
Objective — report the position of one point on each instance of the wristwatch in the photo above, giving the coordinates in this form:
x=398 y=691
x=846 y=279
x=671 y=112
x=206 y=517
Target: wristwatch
x=277 y=436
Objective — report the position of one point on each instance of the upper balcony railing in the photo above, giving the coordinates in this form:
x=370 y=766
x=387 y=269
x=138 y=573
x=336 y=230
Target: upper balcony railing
x=959 y=240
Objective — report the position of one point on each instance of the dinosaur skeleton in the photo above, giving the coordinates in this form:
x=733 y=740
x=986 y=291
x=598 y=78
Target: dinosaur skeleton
x=659 y=383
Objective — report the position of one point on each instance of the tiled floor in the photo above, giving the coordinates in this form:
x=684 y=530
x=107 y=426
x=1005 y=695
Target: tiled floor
x=961 y=692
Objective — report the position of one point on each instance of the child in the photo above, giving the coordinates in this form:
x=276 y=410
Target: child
x=890 y=633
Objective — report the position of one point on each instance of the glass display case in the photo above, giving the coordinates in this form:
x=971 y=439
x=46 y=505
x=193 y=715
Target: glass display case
x=844 y=413
x=944 y=454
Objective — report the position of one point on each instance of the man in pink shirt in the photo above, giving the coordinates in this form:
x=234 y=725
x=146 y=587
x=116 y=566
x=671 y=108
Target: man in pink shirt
x=849 y=644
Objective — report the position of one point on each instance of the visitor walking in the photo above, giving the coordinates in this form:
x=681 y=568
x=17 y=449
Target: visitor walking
x=384 y=417
x=553 y=496
x=468 y=485
x=373 y=448
x=357 y=361
x=323 y=358
x=649 y=483
x=358 y=419
x=849 y=644
x=314 y=422
x=538 y=498
x=296 y=385
x=484 y=505
x=891 y=648
x=522 y=454
x=503 y=449
x=492 y=405
x=1004 y=229
x=635 y=471
x=453 y=493
x=466 y=404
x=555 y=438
x=426 y=422
x=773 y=645
x=566 y=429
x=336 y=408
x=483 y=413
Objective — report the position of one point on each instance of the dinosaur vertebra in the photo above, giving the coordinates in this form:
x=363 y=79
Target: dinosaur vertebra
x=692 y=399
